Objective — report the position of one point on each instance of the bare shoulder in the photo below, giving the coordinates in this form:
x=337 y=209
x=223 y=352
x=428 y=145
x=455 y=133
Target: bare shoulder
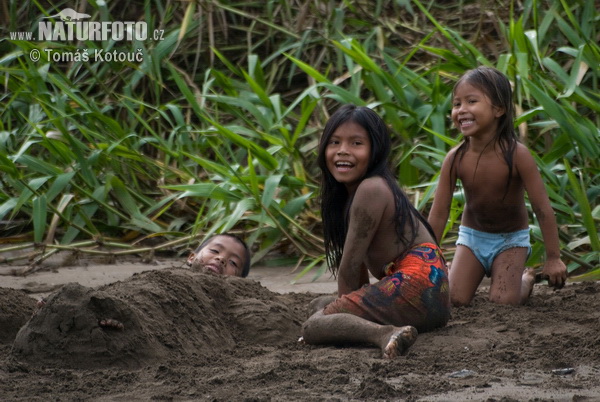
x=447 y=173
x=453 y=150
x=374 y=186
x=372 y=193
x=526 y=165
x=521 y=150
x=452 y=153
x=523 y=155
x=449 y=158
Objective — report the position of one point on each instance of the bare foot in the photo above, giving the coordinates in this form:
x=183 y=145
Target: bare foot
x=400 y=340
x=527 y=281
x=111 y=323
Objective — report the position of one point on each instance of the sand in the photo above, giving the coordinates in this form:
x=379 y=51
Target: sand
x=191 y=336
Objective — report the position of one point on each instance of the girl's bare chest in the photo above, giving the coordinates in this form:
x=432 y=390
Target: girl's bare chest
x=486 y=167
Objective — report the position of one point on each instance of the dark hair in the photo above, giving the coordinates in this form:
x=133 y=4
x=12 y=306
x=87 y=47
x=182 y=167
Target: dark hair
x=334 y=195
x=247 y=257
x=496 y=87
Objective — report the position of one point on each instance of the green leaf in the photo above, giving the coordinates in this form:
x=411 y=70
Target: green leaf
x=308 y=69
x=39 y=218
x=271 y=185
x=584 y=206
x=205 y=190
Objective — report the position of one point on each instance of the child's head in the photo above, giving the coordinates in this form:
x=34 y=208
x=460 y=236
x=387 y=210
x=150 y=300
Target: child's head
x=497 y=88
x=377 y=132
x=224 y=254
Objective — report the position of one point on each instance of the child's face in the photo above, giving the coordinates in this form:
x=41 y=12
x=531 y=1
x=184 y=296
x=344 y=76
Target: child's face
x=473 y=113
x=222 y=255
x=347 y=154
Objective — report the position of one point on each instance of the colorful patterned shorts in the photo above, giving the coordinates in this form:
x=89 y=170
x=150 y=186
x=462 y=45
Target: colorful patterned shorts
x=413 y=292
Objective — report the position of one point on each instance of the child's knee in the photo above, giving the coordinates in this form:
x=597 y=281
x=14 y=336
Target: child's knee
x=460 y=300
x=509 y=298
x=460 y=296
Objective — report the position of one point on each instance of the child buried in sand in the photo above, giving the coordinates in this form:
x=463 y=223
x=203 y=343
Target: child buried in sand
x=370 y=226
x=223 y=254
x=159 y=315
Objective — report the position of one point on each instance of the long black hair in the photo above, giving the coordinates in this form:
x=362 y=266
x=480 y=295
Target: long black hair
x=334 y=195
x=496 y=87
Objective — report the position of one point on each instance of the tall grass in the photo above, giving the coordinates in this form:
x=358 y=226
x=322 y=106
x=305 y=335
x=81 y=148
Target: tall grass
x=216 y=129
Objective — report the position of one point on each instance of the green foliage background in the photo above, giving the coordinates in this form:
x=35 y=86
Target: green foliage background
x=216 y=129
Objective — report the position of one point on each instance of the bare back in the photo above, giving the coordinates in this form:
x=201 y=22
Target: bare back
x=372 y=239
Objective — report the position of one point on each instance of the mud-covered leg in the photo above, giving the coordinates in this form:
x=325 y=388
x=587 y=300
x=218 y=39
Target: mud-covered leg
x=347 y=328
x=508 y=275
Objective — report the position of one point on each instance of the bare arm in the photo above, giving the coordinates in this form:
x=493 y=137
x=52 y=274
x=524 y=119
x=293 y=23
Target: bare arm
x=532 y=180
x=442 y=200
x=368 y=206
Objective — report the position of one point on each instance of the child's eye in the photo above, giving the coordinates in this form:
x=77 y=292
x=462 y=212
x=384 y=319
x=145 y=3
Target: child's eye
x=234 y=263
x=456 y=104
x=213 y=250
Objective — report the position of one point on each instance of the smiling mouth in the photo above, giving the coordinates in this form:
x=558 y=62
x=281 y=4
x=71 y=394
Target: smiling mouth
x=212 y=268
x=343 y=166
x=466 y=122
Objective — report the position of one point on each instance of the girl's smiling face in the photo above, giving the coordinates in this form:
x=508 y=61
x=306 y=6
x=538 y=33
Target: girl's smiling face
x=348 y=153
x=473 y=112
x=222 y=255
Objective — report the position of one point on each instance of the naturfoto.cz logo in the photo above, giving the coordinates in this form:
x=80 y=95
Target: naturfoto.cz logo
x=69 y=25
x=74 y=27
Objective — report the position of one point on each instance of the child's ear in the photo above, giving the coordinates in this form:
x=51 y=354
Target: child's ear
x=191 y=258
x=499 y=111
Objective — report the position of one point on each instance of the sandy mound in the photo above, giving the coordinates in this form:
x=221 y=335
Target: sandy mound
x=167 y=313
x=15 y=309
